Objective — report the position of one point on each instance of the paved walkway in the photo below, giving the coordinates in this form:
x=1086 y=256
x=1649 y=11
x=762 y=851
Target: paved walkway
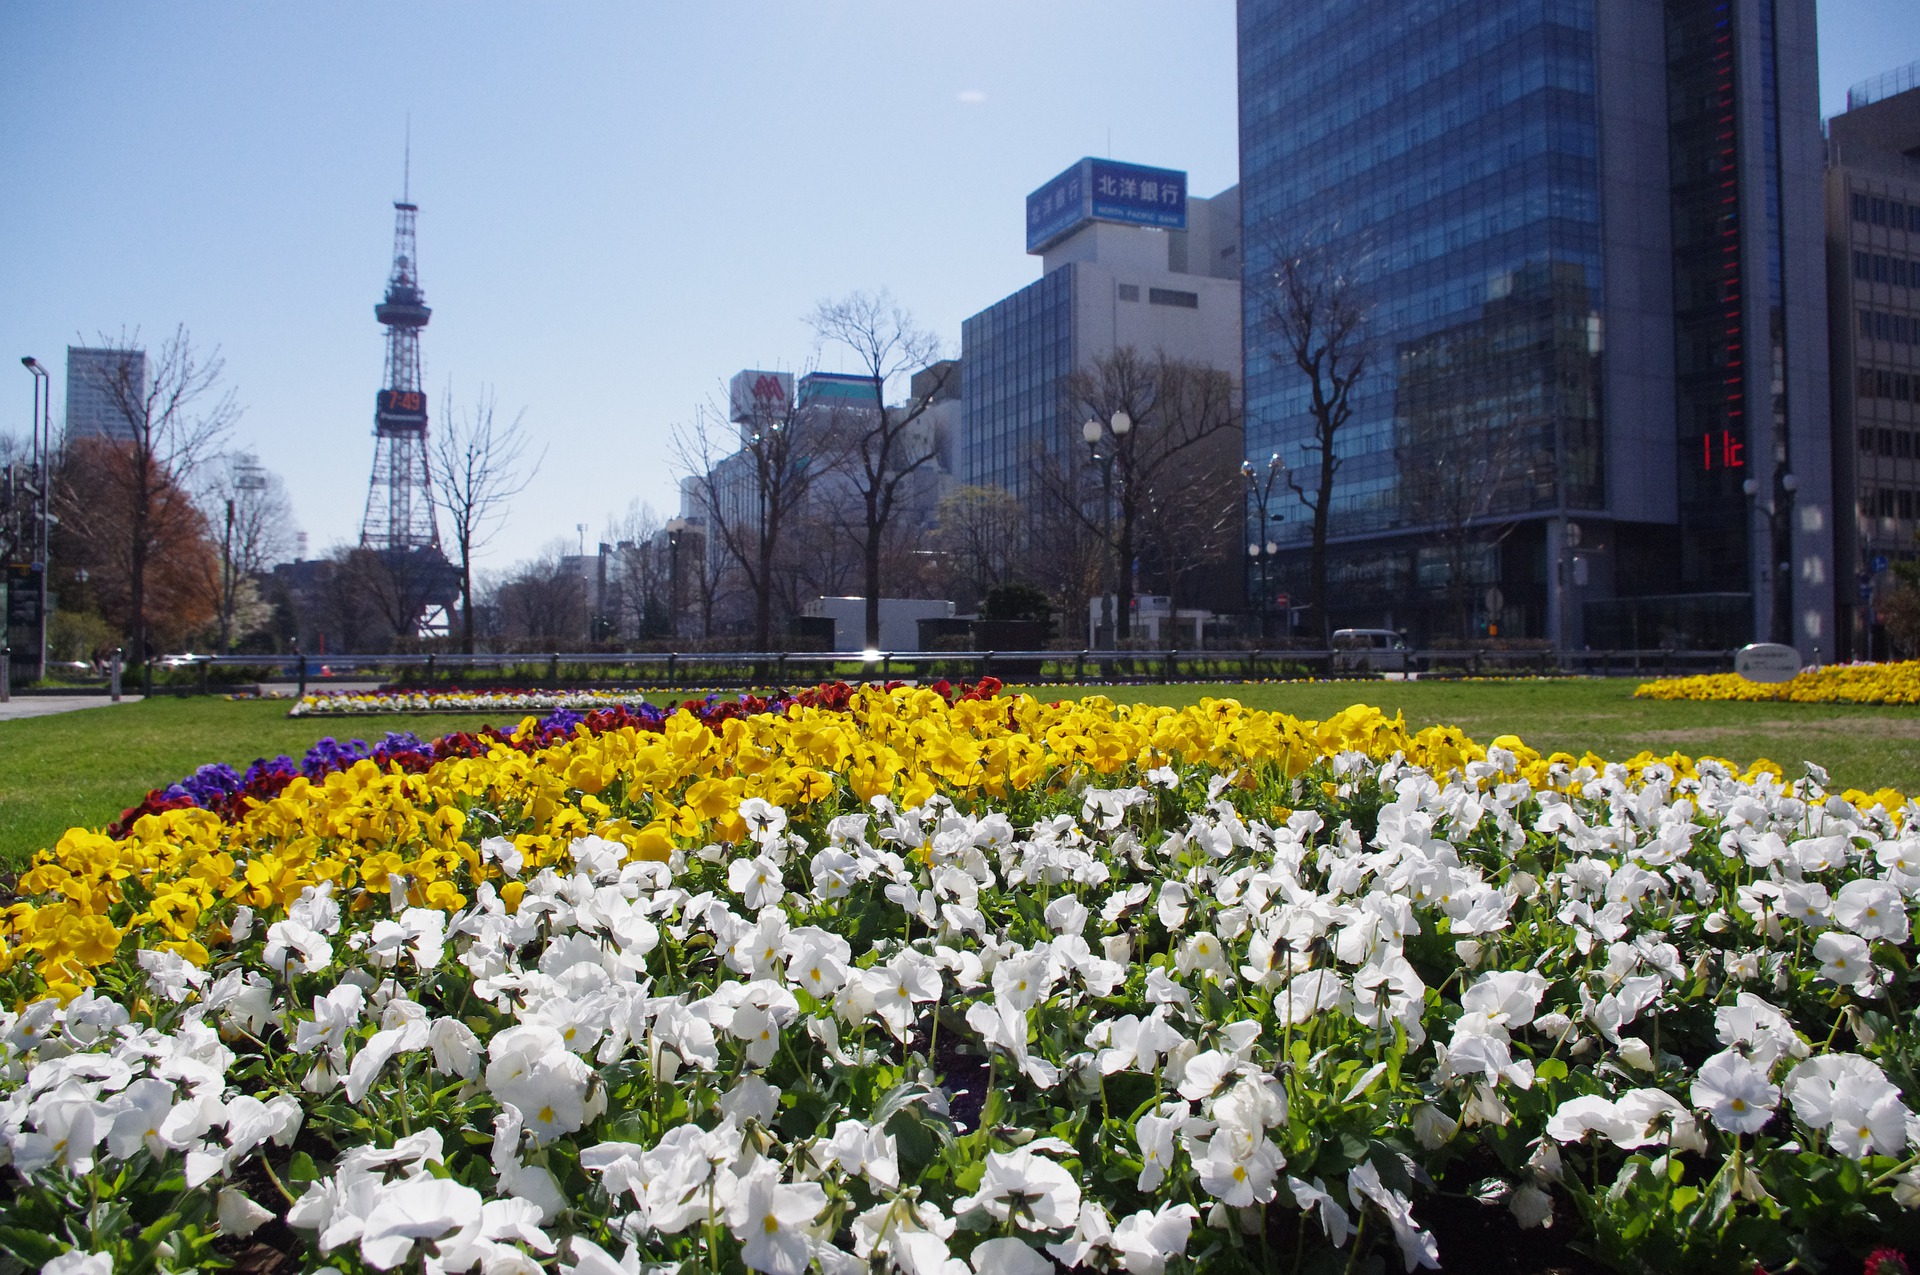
x=45 y=705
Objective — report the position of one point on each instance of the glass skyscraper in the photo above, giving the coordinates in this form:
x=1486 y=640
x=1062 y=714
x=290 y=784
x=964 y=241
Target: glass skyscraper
x=1590 y=239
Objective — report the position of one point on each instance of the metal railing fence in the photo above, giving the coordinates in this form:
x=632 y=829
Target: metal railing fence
x=770 y=669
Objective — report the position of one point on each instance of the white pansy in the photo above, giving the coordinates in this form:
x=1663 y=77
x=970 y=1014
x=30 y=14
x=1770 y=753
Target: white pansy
x=1872 y=909
x=1843 y=959
x=78 y=1261
x=1146 y=1240
x=1313 y=1197
x=770 y=1219
x=1735 y=1093
x=1007 y=1255
x=1417 y=1247
x=1027 y=1189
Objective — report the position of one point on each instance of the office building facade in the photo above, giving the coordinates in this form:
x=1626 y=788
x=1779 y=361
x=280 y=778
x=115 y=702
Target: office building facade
x=1873 y=257
x=1589 y=239
x=1128 y=259
x=97 y=380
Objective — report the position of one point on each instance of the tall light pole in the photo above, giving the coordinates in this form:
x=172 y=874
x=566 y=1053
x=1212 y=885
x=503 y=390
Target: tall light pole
x=1118 y=426
x=42 y=446
x=1779 y=513
x=675 y=526
x=1260 y=491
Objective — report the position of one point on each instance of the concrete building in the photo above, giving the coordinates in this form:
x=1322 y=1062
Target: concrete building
x=1873 y=281
x=820 y=417
x=1591 y=236
x=1128 y=258
x=95 y=379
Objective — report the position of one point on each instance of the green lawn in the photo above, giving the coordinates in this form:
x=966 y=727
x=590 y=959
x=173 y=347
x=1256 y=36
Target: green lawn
x=85 y=767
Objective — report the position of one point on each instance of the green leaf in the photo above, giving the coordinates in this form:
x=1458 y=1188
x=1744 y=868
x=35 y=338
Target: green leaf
x=30 y=1246
x=302 y=1168
x=1684 y=1196
x=1551 y=1069
x=158 y=1227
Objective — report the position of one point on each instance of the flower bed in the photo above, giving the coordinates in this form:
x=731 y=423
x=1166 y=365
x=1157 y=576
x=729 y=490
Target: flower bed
x=890 y=979
x=369 y=703
x=1893 y=683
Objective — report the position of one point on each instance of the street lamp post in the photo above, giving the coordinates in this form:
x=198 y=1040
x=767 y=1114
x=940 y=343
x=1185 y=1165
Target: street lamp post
x=1118 y=425
x=1260 y=491
x=675 y=526
x=42 y=446
x=1779 y=514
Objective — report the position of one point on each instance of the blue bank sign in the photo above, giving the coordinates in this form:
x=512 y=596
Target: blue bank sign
x=1103 y=190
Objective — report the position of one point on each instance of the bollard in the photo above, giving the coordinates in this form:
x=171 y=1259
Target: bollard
x=203 y=676
x=303 y=675
x=113 y=676
x=6 y=675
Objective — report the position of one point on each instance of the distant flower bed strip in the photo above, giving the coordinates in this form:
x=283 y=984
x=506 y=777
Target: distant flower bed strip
x=1890 y=683
x=367 y=703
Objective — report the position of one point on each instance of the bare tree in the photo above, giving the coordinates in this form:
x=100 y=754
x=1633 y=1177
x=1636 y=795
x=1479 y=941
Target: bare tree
x=540 y=602
x=1458 y=476
x=979 y=534
x=639 y=602
x=748 y=500
x=885 y=446
x=170 y=414
x=1316 y=306
x=482 y=465
x=246 y=506
x=1183 y=422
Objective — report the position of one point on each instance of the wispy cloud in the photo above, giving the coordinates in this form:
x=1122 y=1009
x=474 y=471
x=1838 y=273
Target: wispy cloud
x=970 y=97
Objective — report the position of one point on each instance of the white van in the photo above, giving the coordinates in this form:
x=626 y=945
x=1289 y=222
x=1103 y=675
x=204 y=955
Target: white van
x=1370 y=651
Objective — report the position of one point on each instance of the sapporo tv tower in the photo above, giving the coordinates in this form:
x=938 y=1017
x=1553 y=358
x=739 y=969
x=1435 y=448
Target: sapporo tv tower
x=399 y=522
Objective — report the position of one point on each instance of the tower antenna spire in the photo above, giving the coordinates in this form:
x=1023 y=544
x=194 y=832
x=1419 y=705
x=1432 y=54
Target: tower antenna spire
x=406 y=169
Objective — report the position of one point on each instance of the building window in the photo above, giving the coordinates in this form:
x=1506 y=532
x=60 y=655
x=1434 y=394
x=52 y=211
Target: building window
x=1860 y=208
x=1886 y=502
x=1913 y=219
x=1879 y=212
x=1886 y=442
x=1903 y=445
x=1866 y=441
x=1902 y=386
x=1865 y=382
x=1129 y=292
x=1172 y=296
x=1905 y=504
x=1862 y=265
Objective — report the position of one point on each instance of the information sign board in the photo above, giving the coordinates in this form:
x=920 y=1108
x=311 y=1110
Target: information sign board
x=402 y=408
x=1766 y=662
x=1105 y=190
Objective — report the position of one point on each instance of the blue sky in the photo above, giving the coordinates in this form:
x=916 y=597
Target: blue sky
x=620 y=204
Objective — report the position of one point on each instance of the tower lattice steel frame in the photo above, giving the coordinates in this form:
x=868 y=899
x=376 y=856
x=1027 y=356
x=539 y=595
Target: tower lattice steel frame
x=400 y=513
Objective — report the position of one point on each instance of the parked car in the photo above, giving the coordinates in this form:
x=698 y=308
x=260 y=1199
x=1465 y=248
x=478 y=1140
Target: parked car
x=1371 y=651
